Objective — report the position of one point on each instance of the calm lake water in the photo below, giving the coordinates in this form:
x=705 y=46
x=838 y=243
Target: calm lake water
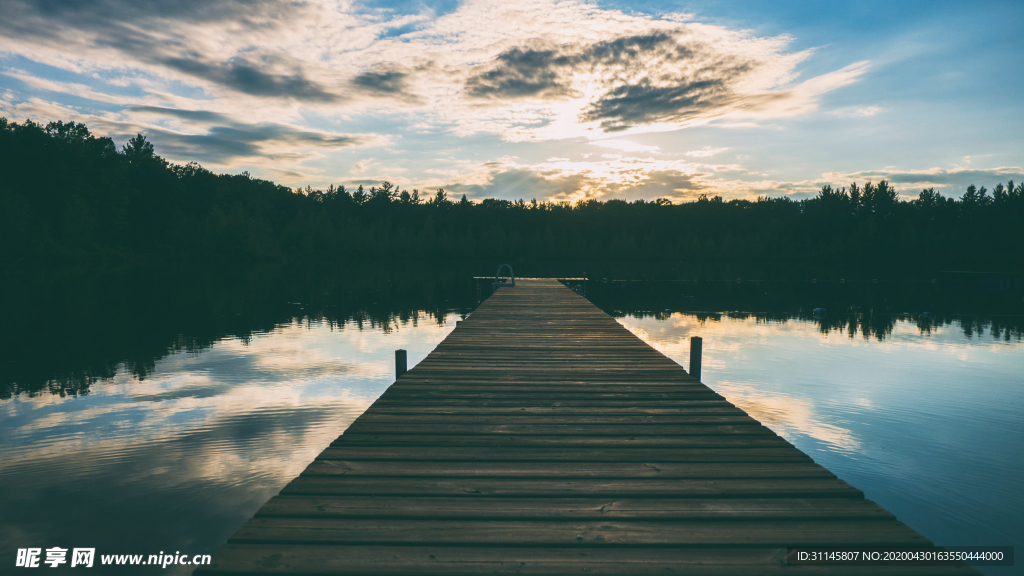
x=178 y=461
x=928 y=424
x=926 y=417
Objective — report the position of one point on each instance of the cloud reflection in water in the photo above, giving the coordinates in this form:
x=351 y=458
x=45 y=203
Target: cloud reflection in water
x=924 y=419
x=180 y=460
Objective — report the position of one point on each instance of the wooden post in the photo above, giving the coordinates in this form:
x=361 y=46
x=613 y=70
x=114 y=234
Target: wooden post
x=400 y=363
x=695 y=351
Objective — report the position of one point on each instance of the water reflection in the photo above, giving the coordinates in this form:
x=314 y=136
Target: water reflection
x=179 y=458
x=924 y=418
x=65 y=334
x=881 y=326
x=146 y=414
x=789 y=416
x=856 y=309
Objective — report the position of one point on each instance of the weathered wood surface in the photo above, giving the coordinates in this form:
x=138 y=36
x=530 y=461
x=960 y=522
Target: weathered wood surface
x=541 y=437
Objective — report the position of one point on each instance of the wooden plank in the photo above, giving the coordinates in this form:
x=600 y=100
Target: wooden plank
x=564 y=487
x=501 y=442
x=347 y=451
x=661 y=390
x=502 y=393
x=525 y=401
x=574 y=508
x=625 y=379
x=735 y=416
x=580 y=533
x=743 y=429
x=483 y=399
x=565 y=470
x=386 y=409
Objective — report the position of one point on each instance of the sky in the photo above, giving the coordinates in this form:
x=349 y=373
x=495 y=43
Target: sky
x=545 y=99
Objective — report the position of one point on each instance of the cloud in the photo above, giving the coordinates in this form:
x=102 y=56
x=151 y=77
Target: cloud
x=87 y=13
x=672 y=184
x=221 y=144
x=952 y=181
x=552 y=72
x=250 y=78
x=563 y=179
x=683 y=74
x=385 y=80
x=220 y=139
x=624 y=145
x=228 y=44
x=705 y=152
x=857 y=111
x=205 y=116
x=523 y=72
x=526 y=184
x=210 y=137
x=615 y=176
x=555 y=69
x=75 y=89
x=645 y=103
x=516 y=184
x=284 y=85
x=363 y=165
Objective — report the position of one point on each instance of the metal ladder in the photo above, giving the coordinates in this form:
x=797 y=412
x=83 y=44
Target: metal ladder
x=498 y=282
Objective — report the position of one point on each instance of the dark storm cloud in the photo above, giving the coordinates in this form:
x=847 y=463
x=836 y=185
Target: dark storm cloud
x=644 y=76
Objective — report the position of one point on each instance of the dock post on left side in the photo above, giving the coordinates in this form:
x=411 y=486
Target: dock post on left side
x=401 y=365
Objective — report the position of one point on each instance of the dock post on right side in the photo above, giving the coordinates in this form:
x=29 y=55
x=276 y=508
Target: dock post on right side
x=696 y=344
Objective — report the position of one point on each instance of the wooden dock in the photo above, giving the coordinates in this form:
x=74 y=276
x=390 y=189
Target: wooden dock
x=542 y=437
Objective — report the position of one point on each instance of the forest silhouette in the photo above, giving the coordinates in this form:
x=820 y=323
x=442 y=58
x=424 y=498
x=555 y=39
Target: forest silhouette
x=70 y=198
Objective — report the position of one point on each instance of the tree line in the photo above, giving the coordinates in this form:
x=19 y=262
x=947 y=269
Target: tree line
x=70 y=198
